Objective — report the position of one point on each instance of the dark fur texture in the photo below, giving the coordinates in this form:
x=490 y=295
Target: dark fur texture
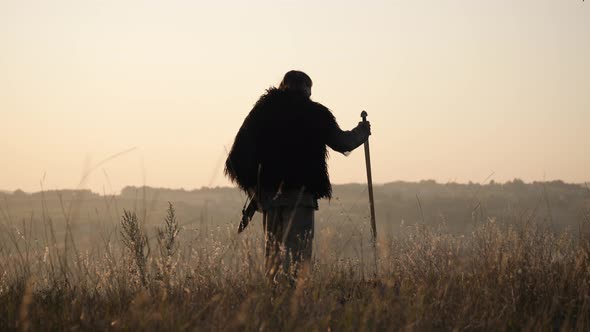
x=282 y=143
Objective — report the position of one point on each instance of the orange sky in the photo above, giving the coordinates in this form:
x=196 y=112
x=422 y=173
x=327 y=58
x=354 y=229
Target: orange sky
x=455 y=90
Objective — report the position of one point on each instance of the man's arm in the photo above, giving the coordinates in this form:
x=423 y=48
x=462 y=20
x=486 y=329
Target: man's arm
x=346 y=141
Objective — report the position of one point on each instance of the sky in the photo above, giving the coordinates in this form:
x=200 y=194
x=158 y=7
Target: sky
x=105 y=94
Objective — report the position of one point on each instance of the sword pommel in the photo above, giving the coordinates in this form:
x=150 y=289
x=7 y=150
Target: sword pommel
x=364 y=116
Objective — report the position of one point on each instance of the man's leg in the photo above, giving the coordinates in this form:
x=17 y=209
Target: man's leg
x=298 y=241
x=272 y=238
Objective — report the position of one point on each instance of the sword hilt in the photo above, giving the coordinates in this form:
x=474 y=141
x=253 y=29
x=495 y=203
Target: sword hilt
x=364 y=116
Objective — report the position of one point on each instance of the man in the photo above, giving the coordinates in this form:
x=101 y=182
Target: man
x=279 y=159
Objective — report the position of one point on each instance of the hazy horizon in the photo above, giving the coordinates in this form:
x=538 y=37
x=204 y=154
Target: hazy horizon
x=455 y=91
x=336 y=185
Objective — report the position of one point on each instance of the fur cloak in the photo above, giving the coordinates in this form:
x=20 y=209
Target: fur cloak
x=282 y=146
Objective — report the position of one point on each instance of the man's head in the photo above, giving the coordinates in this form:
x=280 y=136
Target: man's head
x=297 y=81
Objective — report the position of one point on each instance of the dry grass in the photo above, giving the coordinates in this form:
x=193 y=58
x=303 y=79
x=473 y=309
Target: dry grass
x=501 y=277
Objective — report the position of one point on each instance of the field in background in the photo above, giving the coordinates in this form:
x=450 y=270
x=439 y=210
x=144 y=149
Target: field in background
x=496 y=256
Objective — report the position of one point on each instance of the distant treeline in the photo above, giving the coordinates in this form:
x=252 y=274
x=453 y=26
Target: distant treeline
x=459 y=207
x=516 y=186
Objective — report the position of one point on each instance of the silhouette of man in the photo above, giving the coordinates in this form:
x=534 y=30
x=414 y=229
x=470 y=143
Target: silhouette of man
x=279 y=159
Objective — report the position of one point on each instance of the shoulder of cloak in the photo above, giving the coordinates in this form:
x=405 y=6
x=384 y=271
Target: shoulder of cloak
x=326 y=119
x=260 y=109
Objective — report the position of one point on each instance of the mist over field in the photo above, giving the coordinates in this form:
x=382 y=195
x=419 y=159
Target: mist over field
x=457 y=207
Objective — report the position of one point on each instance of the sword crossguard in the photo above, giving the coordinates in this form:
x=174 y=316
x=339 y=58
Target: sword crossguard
x=364 y=116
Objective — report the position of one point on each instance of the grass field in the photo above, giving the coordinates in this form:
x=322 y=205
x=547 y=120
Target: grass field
x=130 y=276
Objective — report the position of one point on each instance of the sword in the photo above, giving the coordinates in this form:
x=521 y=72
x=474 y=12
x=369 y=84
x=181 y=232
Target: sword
x=371 y=200
x=247 y=214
